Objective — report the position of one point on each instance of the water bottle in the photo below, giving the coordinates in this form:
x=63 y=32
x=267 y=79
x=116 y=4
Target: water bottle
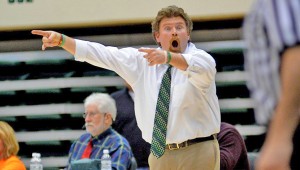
x=106 y=160
x=36 y=162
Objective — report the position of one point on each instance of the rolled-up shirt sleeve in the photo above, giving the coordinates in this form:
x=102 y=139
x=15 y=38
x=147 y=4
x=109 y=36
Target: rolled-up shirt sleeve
x=81 y=50
x=201 y=69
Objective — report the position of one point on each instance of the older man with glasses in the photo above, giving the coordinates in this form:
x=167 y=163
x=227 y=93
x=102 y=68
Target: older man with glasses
x=100 y=112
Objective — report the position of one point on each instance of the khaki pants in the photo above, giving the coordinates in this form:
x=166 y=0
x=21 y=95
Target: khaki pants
x=200 y=156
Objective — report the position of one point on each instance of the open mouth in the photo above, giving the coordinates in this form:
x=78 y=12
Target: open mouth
x=175 y=43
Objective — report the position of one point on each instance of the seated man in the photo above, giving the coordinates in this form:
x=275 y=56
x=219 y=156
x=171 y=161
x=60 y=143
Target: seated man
x=233 y=152
x=100 y=111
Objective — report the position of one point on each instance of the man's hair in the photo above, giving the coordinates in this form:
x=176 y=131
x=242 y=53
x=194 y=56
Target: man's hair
x=168 y=12
x=105 y=103
x=9 y=140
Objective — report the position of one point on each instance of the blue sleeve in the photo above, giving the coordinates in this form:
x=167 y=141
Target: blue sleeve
x=121 y=158
x=70 y=155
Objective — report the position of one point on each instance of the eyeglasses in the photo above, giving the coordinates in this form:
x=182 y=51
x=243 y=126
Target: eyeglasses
x=91 y=114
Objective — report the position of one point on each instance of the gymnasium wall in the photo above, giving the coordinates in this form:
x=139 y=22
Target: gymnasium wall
x=37 y=14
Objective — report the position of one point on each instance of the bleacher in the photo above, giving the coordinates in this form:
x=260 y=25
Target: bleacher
x=41 y=92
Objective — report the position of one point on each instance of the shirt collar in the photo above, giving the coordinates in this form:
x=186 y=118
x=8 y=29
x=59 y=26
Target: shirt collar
x=102 y=135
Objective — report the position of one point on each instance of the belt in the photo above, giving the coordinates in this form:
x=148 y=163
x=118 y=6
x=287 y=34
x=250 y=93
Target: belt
x=174 y=146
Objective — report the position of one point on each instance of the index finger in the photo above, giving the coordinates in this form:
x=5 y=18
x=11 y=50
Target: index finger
x=41 y=33
x=146 y=50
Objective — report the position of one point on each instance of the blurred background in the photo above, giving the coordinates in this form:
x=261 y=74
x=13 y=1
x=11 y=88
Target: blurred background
x=42 y=92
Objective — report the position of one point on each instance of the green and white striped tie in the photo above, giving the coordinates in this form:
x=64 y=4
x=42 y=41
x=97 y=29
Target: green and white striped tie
x=158 y=143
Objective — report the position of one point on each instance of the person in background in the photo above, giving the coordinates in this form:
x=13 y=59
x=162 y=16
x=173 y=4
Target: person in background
x=9 y=148
x=127 y=126
x=176 y=105
x=272 y=57
x=100 y=111
x=233 y=151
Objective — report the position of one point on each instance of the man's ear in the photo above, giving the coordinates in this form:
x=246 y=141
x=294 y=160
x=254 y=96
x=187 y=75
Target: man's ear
x=156 y=34
x=108 y=117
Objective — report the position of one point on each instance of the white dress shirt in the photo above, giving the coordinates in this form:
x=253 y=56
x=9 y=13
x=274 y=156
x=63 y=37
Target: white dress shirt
x=194 y=108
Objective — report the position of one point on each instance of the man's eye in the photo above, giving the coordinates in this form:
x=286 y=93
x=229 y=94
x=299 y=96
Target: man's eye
x=167 y=28
x=179 y=27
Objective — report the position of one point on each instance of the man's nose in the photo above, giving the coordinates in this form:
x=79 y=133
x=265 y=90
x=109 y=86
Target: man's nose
x=174 y=31
x=87 y=118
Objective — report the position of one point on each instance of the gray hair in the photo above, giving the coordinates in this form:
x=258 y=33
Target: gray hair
x=106 y=104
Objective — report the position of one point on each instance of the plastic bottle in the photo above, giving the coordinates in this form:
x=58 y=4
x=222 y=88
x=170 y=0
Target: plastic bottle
x=36 y=162
x=106 y=160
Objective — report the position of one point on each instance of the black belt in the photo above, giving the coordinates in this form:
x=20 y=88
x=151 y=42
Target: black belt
x=174 y=146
